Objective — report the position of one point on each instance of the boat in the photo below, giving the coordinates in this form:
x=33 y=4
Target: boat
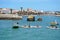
x=39 y=19
x=35 y=26
x=28 y=26
x=54 y=23
x=31 y=18
x=16 y=25
x=25 y=26
x=50 y=27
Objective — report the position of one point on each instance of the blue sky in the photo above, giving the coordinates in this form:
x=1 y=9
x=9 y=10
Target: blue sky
x=46 y=5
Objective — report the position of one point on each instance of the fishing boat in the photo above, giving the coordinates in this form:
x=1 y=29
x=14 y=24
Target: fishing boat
x=31 y=18
x=53 y=25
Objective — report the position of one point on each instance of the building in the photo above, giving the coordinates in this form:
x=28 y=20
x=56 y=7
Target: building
x=5 y=10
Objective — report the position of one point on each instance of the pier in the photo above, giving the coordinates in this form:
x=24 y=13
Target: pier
x=10 y=17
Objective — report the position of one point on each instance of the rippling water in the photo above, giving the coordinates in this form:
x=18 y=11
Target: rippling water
x=7 y=33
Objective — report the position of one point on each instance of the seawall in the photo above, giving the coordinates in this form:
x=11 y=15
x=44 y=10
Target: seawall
x=10 y=16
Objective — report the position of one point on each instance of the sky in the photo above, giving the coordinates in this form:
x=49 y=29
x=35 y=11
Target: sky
x=46 y=5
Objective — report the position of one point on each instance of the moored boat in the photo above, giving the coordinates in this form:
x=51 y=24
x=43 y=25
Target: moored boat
x=39 y=19
x=53 y=25
x=50 y=27
x=16 y=25
x=31 y=18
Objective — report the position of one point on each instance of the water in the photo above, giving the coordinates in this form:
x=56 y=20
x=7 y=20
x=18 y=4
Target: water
x=7 y=33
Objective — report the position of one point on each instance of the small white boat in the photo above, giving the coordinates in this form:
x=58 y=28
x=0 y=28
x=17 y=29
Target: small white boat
x=15 y=25
x=25 y=26
x=35 y=26
x=28 y=26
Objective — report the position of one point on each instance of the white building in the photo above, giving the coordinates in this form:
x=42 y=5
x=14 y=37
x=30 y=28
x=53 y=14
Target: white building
x=5 y=10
